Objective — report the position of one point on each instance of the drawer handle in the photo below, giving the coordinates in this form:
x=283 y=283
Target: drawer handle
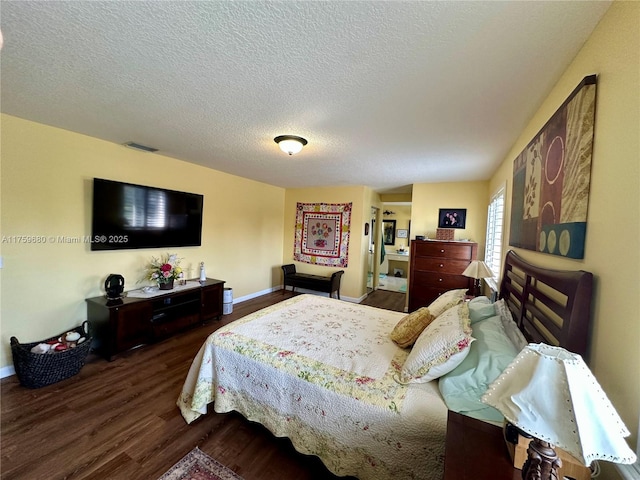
x=441 y=251
x=439 y=279
x=441 y=265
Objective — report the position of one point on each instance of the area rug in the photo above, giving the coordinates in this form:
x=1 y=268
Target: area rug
x=197 y=465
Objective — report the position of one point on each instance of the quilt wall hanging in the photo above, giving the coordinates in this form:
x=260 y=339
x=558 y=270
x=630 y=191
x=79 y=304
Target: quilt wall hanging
x=322 y=233
x=551 y=179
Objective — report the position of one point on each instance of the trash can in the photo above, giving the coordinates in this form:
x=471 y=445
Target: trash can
x=227 y=301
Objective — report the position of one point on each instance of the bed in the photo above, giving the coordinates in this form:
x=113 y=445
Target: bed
x=326 y=374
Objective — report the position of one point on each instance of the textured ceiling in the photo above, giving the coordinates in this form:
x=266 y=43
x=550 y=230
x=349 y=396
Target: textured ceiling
x=387 y=93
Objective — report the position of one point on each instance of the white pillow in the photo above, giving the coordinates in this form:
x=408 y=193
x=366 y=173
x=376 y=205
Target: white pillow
x=447 y=300
x=441 y=347
x=510 y=326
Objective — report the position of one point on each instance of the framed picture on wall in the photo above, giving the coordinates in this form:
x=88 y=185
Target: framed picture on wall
x=452 y=218
x=389 y=231
x=402 y=233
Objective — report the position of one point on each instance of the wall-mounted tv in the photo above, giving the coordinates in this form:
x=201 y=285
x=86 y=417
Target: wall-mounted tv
x=452 y=218
x=127 y=216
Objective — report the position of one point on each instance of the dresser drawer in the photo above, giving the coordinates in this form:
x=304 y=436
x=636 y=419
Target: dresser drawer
x=423 y=297
x=444 y=250
x=440 y=265
x=444 y=281
x=436 y=267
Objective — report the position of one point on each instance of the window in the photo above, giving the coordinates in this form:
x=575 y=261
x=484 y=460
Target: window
x=495 y=222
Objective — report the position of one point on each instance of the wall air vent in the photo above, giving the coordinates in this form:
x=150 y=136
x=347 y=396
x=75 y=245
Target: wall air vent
x=137 y=146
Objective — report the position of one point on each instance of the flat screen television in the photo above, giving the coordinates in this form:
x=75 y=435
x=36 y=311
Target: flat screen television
x=127 y=216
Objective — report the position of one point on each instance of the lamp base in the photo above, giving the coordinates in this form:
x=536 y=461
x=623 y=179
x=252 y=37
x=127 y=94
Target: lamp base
x=543 y=462
x=518 y=444
x=475 y=290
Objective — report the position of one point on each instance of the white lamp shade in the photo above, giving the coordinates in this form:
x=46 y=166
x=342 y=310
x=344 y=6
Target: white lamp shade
x=477 y=269
x=550 y=393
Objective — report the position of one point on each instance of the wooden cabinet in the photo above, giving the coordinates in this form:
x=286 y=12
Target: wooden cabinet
x=130 y=331
x=121 y=324
x=211 y=302
x=476 y=450
x=436 y=267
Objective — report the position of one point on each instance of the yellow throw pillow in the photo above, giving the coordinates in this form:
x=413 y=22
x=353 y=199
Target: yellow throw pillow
x=407 y=331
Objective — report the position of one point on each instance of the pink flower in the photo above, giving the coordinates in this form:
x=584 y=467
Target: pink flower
x=363 y=380
x=166 y=267
x=166 y=274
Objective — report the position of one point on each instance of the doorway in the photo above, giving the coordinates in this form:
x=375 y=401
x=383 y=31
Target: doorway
x=394 y=267
x=372 y=282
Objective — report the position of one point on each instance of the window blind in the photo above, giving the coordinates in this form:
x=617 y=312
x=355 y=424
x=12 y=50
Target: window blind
x=495 y=222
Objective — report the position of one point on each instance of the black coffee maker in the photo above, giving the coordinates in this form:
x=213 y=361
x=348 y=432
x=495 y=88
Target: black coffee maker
x=114 y=286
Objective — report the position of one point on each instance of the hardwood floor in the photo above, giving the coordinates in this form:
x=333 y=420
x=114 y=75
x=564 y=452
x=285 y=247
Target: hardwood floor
x=118 y=420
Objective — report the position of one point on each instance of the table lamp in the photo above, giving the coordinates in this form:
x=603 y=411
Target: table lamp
x=550 y=393
x=477 y=270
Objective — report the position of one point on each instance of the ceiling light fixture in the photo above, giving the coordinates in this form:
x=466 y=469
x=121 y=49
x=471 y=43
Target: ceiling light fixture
x=290 y=143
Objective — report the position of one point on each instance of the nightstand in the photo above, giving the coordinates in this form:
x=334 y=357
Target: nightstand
x=476 y=450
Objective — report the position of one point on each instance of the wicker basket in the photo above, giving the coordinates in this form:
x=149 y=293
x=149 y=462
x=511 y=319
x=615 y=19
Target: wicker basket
x=35 y=370
x=445 y=233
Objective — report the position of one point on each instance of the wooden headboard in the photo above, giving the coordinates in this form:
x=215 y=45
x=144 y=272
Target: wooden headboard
x=549 y=306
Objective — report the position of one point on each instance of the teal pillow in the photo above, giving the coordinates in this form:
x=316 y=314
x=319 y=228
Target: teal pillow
x=489 y=355
x=481 y=308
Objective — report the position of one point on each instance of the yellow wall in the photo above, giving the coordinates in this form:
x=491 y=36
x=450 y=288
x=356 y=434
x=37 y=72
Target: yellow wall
x=395 y=197
x=46 y=191
x=353 y=286
x=613 y=224
x=428 y=198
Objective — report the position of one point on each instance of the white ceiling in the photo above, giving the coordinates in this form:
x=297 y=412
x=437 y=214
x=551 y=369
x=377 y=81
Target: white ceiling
x=387 y=93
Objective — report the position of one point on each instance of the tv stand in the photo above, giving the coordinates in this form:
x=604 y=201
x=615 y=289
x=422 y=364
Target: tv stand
x=119 y=325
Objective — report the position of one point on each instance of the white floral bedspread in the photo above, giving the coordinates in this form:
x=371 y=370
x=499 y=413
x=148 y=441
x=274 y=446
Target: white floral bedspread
x=320 y=372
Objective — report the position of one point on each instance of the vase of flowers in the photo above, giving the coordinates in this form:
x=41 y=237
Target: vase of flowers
x=164 y=271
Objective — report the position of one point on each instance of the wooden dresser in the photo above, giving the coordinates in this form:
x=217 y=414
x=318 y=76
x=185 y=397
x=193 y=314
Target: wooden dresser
x=127 y=322
x=436 y=267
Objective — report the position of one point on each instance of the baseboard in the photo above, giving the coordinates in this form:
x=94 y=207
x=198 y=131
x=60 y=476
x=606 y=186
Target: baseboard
x=256 y=294
x=629 y=472
x=7 y=371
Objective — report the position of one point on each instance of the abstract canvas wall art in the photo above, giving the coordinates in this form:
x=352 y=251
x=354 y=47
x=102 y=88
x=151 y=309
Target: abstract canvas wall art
x=551 y=179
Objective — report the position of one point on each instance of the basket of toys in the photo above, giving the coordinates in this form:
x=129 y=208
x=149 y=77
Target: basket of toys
x=38 y=364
